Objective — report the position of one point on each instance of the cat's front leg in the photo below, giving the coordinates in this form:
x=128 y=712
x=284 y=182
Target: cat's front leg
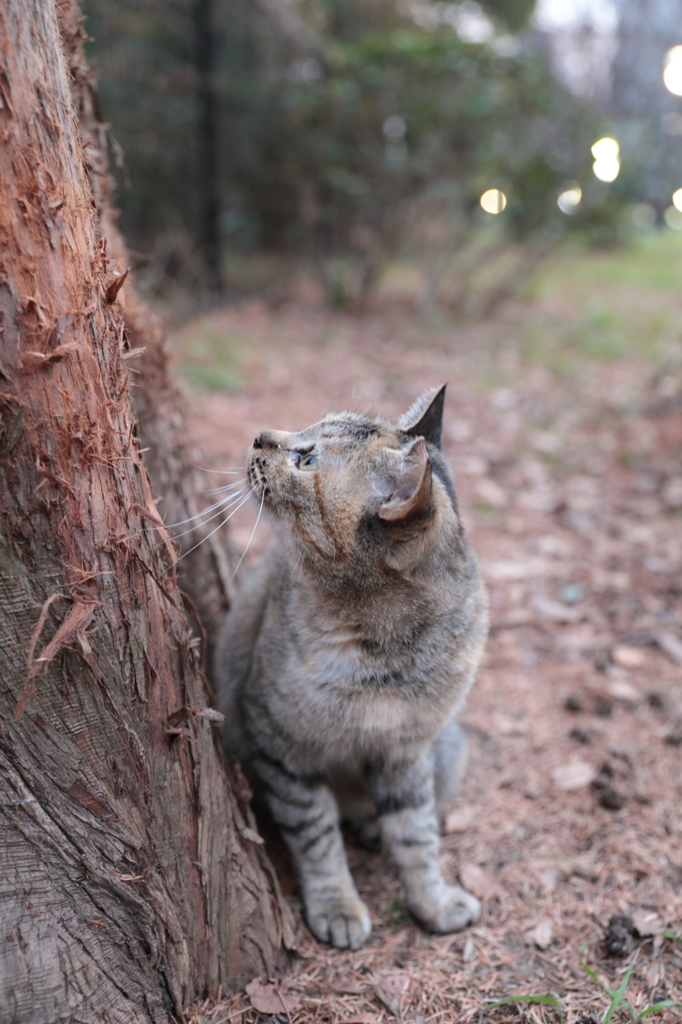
x=304 y=807
x=406 y=808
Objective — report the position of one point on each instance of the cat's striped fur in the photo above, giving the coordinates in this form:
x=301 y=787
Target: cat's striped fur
x=350 y=650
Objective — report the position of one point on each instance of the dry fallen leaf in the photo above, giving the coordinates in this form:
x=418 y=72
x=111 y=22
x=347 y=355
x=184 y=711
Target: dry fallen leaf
x=573 y=775
x=513 y=570
x=623 y=690
x=555 y=611
x=628 y=657
x=362 y=1018
x=267 y=998
x=398 y=938
x=506 y=726
x=647 y=924
x=347 y=988
x=392 y=990
x=671 y=644
x=459 y=820
x=549 y=878
x=542 y=933
x=654 y=974
x=474 y=879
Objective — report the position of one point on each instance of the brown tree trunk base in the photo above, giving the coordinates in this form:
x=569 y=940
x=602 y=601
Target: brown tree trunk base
x=130 y=881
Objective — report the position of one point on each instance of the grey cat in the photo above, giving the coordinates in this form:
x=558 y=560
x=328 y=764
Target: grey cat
x=350 y=650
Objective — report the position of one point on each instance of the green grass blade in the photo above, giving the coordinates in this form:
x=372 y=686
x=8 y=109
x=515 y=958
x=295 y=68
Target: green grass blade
x=546 y=999
x=617 y=998
x=590 y=973
x=658 y=1006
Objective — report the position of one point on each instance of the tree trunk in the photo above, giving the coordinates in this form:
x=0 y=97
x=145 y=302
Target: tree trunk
x=131 y=880
x=205 y=573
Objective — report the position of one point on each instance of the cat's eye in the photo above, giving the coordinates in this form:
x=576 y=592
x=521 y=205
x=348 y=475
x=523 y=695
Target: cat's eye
x=308 y=461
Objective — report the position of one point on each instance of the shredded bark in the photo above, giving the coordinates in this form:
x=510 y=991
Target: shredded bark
x=72 y=628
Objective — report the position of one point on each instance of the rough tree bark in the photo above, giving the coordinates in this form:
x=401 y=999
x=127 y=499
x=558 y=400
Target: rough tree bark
x=205 y=573
x=130 y=881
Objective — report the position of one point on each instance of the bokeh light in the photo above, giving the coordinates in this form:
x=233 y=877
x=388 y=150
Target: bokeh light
x=606 y=170
x=672 y=71
x=605 y=149
x=673 y=218
x=606 y=153
x=569 y=199
x=493 y=201
x=677 y=199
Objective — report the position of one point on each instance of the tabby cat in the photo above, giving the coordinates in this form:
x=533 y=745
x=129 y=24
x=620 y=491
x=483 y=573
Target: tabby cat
x=350 y=650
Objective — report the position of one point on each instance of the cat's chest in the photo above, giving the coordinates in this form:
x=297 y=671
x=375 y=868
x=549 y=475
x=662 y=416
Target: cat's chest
x=350 y=691
x=354 y=664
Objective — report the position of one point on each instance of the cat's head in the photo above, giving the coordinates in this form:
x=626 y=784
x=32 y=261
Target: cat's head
x=353 y=492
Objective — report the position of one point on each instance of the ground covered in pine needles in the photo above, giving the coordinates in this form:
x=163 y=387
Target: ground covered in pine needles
x=564 y=428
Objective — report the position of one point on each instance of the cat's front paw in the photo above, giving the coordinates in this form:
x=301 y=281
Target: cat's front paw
x=453 y=910
x=343 y=921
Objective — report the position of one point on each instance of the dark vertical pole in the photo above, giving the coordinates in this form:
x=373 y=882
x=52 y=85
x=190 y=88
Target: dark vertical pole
x=209 y=192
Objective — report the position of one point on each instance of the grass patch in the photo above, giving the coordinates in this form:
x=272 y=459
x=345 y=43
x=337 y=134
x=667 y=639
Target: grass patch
x=616 y=996
x=544 y=1000
x=211 y=360
x=212 y=378
x=618 y=1000
x=605 y=306
x=651 y=261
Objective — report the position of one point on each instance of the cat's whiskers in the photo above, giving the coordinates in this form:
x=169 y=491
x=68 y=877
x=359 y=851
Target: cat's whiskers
x=364 y=396
x=227 y=487
x=250 y=538
x=226 y=503
x=215 y=530
x=224 y=472
x=169 y=526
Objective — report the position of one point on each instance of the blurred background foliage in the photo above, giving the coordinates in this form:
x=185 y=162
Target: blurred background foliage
x=262 y=135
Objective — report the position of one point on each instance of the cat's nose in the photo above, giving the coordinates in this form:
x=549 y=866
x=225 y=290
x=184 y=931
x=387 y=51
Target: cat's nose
x=265 y=440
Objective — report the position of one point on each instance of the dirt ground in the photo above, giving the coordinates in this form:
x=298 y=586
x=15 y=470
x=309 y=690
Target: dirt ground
x=568 y=466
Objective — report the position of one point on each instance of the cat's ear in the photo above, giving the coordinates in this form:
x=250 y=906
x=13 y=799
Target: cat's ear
x=425 y=417
x=412 y=495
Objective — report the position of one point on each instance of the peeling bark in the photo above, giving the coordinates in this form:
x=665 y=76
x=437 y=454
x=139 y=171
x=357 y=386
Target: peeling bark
x=205 y=574
x=128 y=883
